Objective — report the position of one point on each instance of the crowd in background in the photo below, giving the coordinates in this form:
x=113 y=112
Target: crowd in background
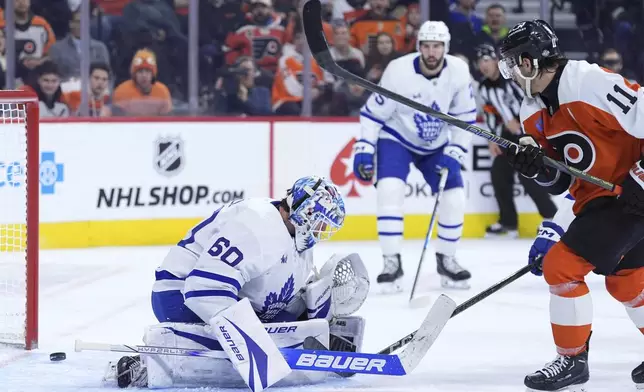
x=251 y=52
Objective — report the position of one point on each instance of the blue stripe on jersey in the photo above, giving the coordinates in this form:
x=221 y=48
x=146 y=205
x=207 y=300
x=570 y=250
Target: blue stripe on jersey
x=166 y=275
x=211 y=293
x=406 y=143
x=210 y=344
x=191 y=238
x=450 y=226
x=372 y=118
x=219 y=278
x=397 y=218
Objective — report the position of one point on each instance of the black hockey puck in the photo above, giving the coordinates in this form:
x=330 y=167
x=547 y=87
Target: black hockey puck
x=57 y=357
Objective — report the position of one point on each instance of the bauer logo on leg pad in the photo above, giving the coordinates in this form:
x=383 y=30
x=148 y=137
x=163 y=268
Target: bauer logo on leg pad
x=231 y=343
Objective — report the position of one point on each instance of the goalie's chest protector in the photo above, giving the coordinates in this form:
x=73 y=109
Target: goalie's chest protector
x=275 y=289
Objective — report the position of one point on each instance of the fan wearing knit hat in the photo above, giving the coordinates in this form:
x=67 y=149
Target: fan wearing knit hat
x=143 y=95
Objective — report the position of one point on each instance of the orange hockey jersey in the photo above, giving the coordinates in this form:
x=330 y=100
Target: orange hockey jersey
x=287 y=86
x=365 y=29
x=597 y=128
x=263 y=43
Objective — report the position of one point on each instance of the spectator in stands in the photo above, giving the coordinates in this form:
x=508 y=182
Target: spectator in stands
x=143 y=94
x=66 y=53
x=366 y=28
x=342 y=51
x=238 y=94
x=106 y=17
x=343 y=7
x=349 y=97
x=99 y=96
x=495 y=28
x=288 y=89
x=612 y=60
x=377 y=61
x=413 y=21
x=47 y=87
x=34 y=37
x=261 y=37
x=465 y=28
x=57 y=13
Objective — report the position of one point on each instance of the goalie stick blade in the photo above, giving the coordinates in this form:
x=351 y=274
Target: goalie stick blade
x=311 y=343
x=432 y=326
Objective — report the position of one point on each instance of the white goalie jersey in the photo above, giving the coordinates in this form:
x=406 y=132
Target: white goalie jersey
x=243 y=250
x=449 y=92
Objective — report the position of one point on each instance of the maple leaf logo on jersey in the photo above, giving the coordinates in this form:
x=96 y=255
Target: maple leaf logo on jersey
x=274 y=304
x=429 y=128
x=342 y=170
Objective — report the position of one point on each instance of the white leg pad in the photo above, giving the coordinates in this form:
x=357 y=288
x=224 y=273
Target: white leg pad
x=391 y=198
x=174 y=371
x=451 y=213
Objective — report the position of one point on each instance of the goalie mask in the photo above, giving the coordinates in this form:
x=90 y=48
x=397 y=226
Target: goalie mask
x=316 y=211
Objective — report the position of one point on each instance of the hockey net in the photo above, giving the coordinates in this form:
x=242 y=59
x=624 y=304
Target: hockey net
x=19 y=192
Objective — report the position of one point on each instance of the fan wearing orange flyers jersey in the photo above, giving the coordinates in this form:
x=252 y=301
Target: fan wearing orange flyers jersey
x=593 y=120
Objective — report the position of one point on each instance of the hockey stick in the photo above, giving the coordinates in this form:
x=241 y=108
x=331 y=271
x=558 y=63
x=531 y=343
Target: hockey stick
x=324 y=360
x=314 y=360
x=459 y=309
x=419 y=344
x=441 y=187
x=464 y=306
x=311 y=19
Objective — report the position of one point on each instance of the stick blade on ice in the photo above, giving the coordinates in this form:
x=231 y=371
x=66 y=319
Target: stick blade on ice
x=428 y=332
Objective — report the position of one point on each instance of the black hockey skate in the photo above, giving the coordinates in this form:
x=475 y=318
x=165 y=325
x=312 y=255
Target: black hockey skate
x=451 y=273
x=131 y=372
x=638 y=376
x=497 y=230
x=389 y=278
x=565 y=373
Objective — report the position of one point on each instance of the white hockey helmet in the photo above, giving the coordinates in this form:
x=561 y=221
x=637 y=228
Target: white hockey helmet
x=433 y=30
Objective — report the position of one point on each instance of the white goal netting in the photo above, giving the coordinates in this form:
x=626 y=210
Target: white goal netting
x=13 y=223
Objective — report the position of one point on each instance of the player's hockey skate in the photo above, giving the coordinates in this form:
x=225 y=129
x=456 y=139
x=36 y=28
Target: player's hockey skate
x=451 y=273
x=390 y=279
x=638 y=377
x=565 y=373
x=128 y=372
x=497 y=230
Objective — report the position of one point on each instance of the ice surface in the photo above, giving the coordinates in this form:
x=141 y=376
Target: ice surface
x=103 y=295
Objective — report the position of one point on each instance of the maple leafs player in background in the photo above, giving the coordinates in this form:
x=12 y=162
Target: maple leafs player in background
x=253 y=252
x=593 y=119
x=396 y=135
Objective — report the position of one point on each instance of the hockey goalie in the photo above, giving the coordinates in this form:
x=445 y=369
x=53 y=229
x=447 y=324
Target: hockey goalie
x=243 y=281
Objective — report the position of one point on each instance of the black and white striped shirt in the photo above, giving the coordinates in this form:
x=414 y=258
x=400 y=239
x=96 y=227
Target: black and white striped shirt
x=501 y=102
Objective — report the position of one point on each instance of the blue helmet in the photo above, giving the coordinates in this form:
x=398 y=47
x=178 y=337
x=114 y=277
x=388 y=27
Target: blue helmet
x=316 y=210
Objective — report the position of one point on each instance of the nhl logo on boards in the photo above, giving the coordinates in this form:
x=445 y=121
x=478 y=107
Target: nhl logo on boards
x=168 y=156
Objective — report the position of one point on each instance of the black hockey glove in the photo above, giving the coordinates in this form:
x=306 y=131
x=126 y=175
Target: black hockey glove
x=632 y=196
x=527 y=158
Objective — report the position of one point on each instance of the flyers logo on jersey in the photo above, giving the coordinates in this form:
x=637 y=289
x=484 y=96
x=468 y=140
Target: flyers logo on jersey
x=577 y=149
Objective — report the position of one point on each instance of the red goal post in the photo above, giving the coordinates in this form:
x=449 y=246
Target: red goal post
x=19 y=199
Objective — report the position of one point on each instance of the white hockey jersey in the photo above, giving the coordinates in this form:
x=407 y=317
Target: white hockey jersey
x=242 y=250
x=449 y=92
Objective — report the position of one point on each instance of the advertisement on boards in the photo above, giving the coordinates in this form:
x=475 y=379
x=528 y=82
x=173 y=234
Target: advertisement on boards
x=153 y=170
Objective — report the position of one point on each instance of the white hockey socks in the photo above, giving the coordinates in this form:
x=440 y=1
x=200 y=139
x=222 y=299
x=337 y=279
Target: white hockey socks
x=391 y=198
x=451 y=213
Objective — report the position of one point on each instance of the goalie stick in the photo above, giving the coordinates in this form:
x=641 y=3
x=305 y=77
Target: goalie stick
x=459 y=309
x=312 y=22
x=324 y=360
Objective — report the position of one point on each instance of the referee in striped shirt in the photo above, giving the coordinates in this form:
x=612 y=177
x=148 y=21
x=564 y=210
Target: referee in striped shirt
x=501 y=103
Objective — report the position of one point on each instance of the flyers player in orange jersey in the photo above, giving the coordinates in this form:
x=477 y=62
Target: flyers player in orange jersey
x=593 y=120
